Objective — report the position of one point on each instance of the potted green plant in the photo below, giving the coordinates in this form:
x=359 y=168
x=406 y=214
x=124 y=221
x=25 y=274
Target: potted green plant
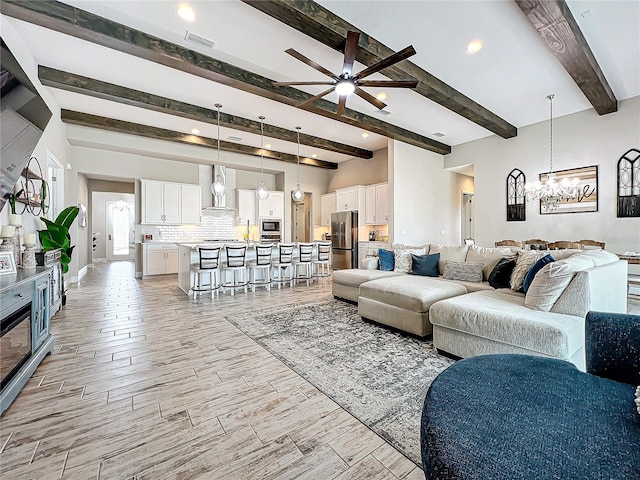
x=56 y=235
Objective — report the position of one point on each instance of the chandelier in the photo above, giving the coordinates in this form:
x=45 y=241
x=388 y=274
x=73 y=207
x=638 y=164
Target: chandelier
x=218 y=187
x=551 y=192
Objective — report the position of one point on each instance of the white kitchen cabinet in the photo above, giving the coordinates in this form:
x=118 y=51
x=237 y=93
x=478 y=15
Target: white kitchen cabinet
x=159 y=259
x=190 y=203
x=327 y=207
x=246 y=202
x=170 y=203
x=350 y=198
x=377 y=204
x=272 y=207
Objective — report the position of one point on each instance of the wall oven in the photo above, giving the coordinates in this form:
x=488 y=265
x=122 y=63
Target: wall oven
x=271 y=230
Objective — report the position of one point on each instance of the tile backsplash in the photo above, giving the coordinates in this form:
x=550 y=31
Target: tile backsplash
x=215 y=224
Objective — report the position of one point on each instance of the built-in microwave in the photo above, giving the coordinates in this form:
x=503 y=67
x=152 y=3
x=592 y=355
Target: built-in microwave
x=270 y=225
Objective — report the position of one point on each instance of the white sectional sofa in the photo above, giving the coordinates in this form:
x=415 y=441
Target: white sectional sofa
x=472 y=318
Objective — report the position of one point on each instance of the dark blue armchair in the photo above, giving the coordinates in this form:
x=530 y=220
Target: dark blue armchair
x=520 y=417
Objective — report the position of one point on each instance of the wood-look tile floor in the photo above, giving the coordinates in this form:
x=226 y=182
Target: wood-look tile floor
x=145 y=383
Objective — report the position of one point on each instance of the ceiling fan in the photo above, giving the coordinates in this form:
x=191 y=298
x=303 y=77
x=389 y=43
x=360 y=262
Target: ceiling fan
x=347 y=82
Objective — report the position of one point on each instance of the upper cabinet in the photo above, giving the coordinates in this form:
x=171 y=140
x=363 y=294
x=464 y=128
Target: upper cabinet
x=246 y=202
x=190 y=203
x=377 y=204
x=272 y=207
x=170 y=203
x=351 y=198
x=327 y=207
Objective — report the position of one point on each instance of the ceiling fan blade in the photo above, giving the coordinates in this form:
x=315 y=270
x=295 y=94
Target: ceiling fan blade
x=317 y=97
x=309 y=62
x=387 y=62
x=370 y=98
x=283 y=84
x=350 y=50
x=341 y=104
x=389 y=83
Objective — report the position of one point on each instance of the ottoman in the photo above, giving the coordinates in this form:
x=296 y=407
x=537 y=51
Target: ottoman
x=521 y=417
x=403 y=302
x=346 y=283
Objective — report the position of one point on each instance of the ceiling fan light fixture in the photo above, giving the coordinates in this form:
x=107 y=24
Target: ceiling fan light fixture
x=186 y=12
x=345 y=87
x=381 y=96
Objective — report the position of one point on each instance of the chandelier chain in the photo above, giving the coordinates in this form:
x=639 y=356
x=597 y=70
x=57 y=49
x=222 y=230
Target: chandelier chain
x=550 y=97
x=218 y=106
x=261 y=117
x=298 y=129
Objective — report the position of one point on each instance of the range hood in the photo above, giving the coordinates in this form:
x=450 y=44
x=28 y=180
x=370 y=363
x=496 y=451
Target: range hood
x=226 y=202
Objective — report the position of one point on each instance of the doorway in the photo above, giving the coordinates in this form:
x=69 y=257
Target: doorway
x=301 y=220
x=467 y=217
x=120 y=231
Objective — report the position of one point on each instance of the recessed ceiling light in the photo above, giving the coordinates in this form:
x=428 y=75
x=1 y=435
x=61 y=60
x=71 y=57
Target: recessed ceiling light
x=381 y=96
x=186 y=12
x=267 y=145
x=365 y=134
x=314 y=155
x=195 y=131
x=474 y=46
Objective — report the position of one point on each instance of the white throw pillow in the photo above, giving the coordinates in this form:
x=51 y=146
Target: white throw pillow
x=525 y=260
x=552 y=280
x=456 y=253
x=402 y=258
x=637 y=400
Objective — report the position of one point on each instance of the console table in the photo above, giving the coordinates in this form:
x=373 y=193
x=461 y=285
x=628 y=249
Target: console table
x=25 y=339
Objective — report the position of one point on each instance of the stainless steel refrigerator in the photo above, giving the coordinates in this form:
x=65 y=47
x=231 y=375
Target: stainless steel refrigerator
x=344 y=240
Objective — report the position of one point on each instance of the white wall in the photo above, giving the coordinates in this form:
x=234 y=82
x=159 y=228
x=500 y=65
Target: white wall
x=53 y=139
x=579 y=140
x=359 y=171
x=426 y=199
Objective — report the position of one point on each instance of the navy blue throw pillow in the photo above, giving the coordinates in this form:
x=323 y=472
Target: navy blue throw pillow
x=535 y=269
x=501 y=273
x=386 y=259
x=425 y=265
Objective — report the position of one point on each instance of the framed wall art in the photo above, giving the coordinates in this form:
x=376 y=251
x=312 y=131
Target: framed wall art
x=587 y=198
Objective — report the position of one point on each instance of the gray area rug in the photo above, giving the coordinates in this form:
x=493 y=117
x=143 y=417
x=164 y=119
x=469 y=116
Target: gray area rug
x=380 y=376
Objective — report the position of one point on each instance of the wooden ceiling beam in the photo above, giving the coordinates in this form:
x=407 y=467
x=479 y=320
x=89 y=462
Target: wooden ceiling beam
x=554 y=22
x=80 y=24
x=120 y=126
x=327 y=28
x=72 y=82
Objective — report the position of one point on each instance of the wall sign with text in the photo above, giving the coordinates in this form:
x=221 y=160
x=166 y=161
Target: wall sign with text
x=587 y=199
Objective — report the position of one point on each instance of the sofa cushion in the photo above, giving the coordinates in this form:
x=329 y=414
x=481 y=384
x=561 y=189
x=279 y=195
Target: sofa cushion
x=467 y=272
x=500 y=276
x=549 y=283
x=528 y=278
x=489 y=257
x=456 y=253
x=355 y=277
x=501 y=315
x=402 y=258
x=386 y=259
x=410 y=292
x=470 y=286
x=525 y=260
x=599 y=257
x=425 y=265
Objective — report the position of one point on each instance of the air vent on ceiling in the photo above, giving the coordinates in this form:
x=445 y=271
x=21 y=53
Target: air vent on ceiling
x=234 y=138
x=198 y=40
x=438 y=134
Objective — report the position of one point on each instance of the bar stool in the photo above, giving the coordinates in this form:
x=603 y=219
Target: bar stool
x=321 y=260
x=262 y=262
x=209 y=263
x=283 y=263
x=236 y=263
x=303 y=260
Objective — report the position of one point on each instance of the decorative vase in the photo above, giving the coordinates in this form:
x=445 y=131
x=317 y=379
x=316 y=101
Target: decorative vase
x=17 y=246
x=29 y=257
